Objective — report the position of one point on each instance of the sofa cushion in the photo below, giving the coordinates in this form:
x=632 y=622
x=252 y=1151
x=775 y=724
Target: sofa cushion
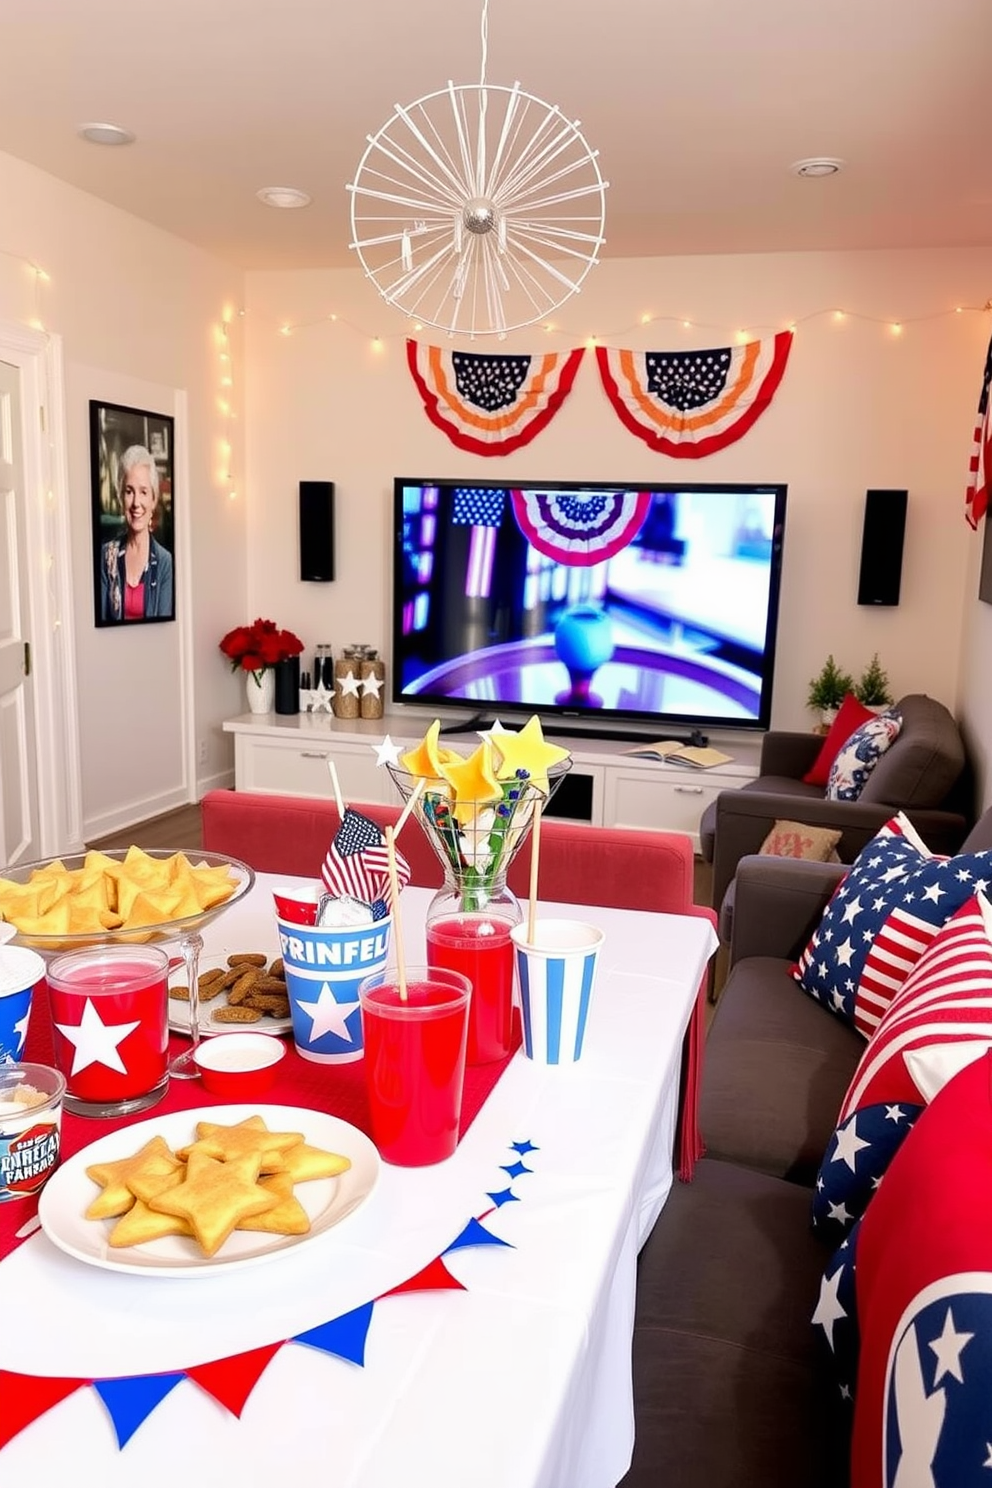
x=850 y=715
x=792 y=839
x=924 y=1299
x=925 y=761
x=881 y=918
x=940 y=1021
x=859 y=755
x=777 y=1067
x=728 y=1375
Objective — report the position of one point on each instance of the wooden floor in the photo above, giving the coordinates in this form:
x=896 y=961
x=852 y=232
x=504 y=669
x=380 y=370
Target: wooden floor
x=180 y=830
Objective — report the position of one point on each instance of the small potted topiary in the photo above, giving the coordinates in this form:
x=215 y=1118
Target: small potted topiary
x=872 y=688
x=827 y=690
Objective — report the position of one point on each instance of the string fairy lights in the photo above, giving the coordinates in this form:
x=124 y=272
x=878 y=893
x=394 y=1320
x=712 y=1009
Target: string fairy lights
x=38 y=277
x=615 y=338
x=225 y=402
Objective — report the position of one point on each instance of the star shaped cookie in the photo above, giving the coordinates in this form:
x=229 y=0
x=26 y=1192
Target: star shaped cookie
x=153 y=1164
x=215 y=1197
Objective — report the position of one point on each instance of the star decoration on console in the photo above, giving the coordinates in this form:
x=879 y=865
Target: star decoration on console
x=349 y=684
x=387 y=753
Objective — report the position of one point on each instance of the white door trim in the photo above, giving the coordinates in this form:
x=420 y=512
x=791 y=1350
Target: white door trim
x=38 y=357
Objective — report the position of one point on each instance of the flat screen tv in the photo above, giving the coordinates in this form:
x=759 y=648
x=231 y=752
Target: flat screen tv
x=606 y=605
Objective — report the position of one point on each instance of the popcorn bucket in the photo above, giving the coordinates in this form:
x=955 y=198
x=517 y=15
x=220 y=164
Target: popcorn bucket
x=324 y=966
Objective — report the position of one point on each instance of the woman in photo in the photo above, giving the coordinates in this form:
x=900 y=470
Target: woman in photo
x=135 y=570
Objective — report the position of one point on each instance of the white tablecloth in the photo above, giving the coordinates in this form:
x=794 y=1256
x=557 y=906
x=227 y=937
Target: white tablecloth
x=522 y=1380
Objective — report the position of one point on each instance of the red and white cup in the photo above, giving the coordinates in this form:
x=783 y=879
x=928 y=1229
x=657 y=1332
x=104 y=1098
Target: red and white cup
x=298 y=903
x=110 y=1023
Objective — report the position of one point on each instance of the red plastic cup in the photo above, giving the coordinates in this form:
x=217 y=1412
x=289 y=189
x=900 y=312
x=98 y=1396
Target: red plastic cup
x=415 y=1062
x=111 y=1027
x=298 y=904
x=479 y=946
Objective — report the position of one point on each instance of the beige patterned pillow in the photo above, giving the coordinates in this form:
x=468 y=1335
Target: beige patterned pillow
x=790 y=839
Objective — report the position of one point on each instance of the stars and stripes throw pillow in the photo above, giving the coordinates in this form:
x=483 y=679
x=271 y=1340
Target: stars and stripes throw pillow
x=924 y=1301
x=835 y=1320
x=881 y=918
x=939 y=1022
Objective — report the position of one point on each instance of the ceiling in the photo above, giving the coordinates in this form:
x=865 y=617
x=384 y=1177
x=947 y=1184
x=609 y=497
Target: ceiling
x=697 y=108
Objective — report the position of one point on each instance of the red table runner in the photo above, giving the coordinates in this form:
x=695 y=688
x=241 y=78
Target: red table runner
x=335 y=1089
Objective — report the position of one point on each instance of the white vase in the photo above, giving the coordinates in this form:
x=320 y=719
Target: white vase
x=261 y=695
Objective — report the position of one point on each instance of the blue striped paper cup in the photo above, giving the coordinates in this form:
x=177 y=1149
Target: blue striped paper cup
x=555 y=972
x=323 y=966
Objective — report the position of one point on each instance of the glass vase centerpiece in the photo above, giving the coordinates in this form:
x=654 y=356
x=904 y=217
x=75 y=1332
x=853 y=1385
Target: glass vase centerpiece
x=477 y=812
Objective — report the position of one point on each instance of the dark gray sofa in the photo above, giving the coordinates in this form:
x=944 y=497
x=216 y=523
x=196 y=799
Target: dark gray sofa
x=731 y=1387
x=922 y=773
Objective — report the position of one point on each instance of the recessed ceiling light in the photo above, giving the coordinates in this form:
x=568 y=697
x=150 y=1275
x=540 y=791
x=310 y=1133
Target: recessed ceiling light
x=105 y=134
x=283 y=196
x=817 y=165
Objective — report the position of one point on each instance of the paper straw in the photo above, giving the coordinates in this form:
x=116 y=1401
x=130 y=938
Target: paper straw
x=414 y=797
x=394 y=894
x=335 y=783
x=535 y=852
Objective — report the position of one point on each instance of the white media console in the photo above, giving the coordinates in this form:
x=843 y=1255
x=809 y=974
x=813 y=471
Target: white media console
x=288 y=755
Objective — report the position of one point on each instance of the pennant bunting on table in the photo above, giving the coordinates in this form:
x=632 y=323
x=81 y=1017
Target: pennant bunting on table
x=691 y=403
x=230 y=1381
x=475 y=1233
x=343 y=1336
x=980 y=465
x=580 y=528
x=491 y=405
x=131 y=1401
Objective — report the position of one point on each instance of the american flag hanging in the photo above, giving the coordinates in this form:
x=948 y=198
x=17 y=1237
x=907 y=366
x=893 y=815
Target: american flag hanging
x=580 y=528
x=357 y=862
x=980 y=465
x=692 y=403
x=491 y=405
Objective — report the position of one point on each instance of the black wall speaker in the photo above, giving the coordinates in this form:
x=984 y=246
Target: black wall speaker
x=881 y=547
x=317 y=530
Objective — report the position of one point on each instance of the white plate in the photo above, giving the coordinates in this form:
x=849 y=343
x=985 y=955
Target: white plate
x=69 y=1193
x=179 y=1011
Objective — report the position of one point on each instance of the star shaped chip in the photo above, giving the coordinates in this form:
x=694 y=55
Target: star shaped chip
x=427 y=758
x=474 y=783
x=527 y=750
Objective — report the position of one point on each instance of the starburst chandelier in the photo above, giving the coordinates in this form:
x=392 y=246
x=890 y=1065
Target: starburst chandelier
x=478 y=209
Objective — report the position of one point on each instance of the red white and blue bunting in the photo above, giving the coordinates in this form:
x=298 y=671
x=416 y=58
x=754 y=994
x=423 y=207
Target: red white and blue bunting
x=580 y=528
x=691 y=403
x=130 y=1399
x=491 y=405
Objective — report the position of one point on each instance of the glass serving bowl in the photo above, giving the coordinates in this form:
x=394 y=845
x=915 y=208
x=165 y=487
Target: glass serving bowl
x=185 y=933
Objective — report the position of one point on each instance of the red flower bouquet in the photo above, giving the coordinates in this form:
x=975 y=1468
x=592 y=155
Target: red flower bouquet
x=256 y=647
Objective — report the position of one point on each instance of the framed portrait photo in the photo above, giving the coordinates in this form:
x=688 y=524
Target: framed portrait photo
x=133 y=515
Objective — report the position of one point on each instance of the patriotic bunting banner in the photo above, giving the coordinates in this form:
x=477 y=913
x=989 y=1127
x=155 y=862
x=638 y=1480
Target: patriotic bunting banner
x=691 y=403
x=491 y=405
x=980 y=465
x=131 y=1399
x=580 y=528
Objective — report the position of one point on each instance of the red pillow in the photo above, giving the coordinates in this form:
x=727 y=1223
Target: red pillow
x=850 y=716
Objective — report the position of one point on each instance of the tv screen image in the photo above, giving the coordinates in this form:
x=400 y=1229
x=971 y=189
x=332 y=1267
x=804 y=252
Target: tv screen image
x=655 y=604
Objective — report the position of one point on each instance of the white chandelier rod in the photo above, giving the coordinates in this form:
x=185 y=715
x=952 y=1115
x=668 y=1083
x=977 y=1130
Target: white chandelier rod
x=554 y=200
x=448 y=169
x=504 y=141
x=530 y=163
x=547 y=266
x=559 y=243
x=445 y=182
x=468 y=185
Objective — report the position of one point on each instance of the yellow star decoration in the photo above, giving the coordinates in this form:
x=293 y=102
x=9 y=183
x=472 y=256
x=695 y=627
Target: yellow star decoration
x=429 y=757
x=528 y=750
x=473 y=781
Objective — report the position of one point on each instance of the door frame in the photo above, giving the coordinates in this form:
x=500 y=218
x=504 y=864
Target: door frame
x=48 y=582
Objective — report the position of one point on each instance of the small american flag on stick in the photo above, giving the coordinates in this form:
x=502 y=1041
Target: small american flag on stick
x=980 y=466
x=357 y=862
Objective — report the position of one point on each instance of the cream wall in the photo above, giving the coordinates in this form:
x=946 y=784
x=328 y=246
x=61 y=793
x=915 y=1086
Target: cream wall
x=859 y=407
x=140 y=315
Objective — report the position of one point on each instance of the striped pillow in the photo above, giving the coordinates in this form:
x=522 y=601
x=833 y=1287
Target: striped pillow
x=880 y=920
x=940 y=1021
